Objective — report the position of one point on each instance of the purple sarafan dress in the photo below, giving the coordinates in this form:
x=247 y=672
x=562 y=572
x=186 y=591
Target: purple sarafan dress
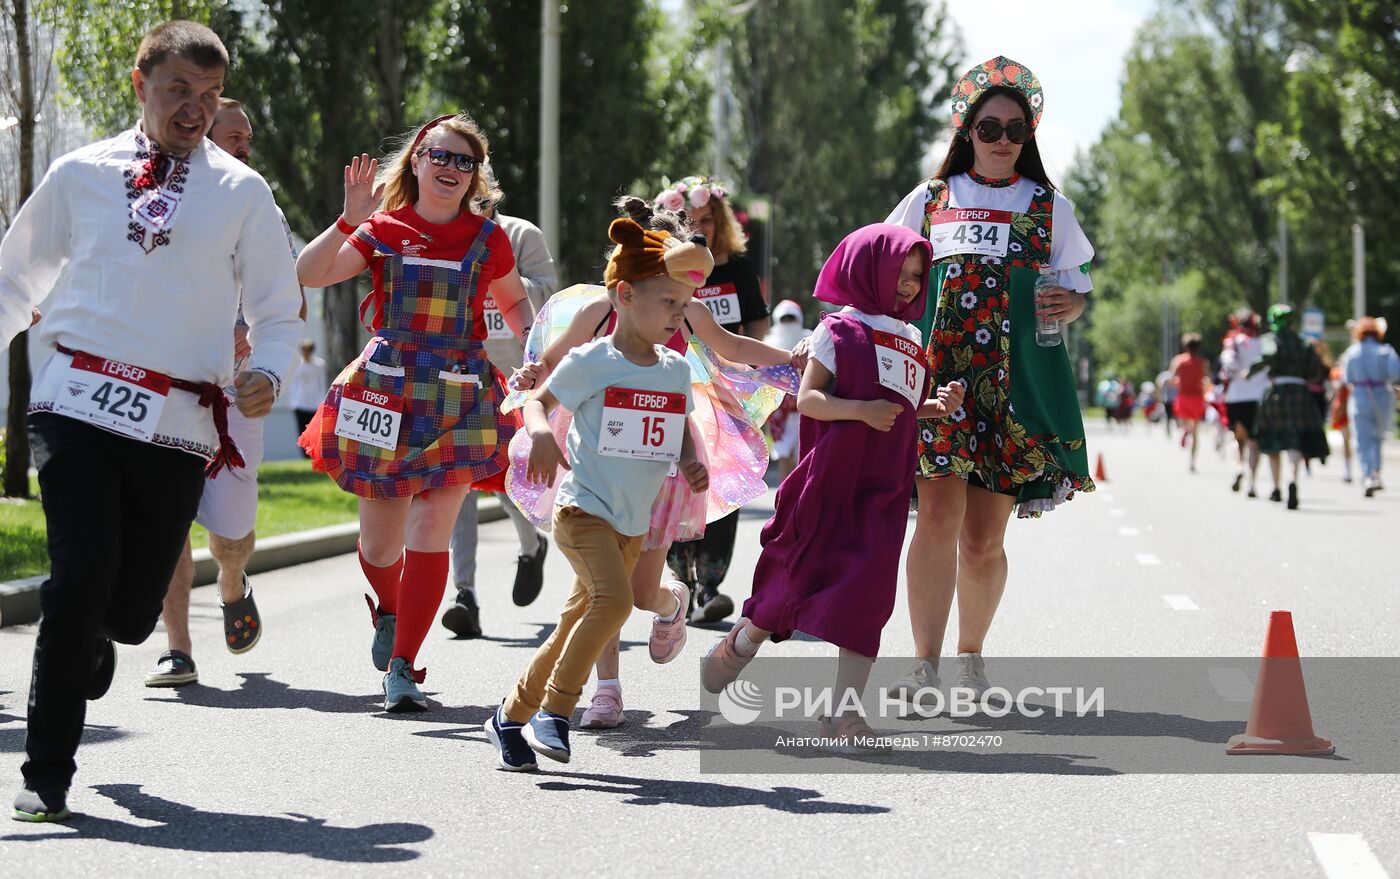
x=830 y=560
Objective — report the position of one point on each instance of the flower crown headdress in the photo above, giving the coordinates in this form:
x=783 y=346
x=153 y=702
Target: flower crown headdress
x=693 y=190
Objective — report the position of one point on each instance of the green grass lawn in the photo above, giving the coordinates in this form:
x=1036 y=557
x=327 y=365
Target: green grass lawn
x=291 y=497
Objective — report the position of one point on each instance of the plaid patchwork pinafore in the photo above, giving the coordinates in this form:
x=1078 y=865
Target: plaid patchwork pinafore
x=452 y=431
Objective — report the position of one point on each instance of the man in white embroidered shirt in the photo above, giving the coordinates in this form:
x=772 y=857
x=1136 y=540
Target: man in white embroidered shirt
x=145 y=240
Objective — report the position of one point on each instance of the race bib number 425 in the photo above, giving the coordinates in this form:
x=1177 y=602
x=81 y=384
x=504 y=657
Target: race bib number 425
x=958 y=230
x=900 y=364
x=642 y=424
x=722 y=300
x=118 y=396
x=370 y=417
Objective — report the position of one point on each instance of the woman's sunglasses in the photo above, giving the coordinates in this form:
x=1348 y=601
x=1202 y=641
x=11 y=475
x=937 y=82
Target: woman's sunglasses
x=990 y=131
x=465 y=162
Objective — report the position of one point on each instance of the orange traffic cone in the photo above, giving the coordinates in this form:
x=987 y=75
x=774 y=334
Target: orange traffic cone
x=1279 y=720
x=1099 y=475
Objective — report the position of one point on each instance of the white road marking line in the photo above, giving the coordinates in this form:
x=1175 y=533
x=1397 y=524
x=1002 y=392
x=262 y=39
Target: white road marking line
x=1232 y=684
x=1179 y=602
x=1115 y=512
x=1128 y=532
x=1147 y=558
x=1346 y=856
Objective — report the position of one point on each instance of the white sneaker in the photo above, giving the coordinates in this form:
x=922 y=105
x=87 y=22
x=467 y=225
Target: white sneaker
x=922 y=675
x=972 y=674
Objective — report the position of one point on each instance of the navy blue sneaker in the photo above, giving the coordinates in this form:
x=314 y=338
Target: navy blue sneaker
x=548 y=734
x=514 y=754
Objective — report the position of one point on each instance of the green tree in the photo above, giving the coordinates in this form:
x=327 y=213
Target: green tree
x=839 y=101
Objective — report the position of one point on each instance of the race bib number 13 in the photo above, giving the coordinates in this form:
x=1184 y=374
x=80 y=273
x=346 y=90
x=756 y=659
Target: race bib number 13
x=118 y=396
x=957 y=230
x=369 y=417
x=642 y=424
x=900 y=364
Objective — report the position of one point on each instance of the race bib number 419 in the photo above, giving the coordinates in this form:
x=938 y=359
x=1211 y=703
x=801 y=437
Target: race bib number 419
x=958 y=230
x=900 y=364
x=642 y=424
x=117 y=396
x=723 y=302
x=370 y=417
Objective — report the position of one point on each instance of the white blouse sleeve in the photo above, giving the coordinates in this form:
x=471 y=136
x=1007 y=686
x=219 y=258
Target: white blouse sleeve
x=910 y=212
x=33 y=253
x=1070 y=250
x=823 y=348
x=266 y=270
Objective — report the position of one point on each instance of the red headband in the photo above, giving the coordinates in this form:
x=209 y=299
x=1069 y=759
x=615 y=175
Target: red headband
x=424 y=130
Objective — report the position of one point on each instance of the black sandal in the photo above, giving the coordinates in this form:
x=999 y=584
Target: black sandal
x=242 y=625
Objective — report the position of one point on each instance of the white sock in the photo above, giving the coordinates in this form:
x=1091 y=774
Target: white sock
x=745 y=645
x=615 y=683
x=671 y=617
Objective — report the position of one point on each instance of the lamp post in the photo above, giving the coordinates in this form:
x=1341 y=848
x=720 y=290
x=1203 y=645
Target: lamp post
x=549 y=123
x=1358 y=271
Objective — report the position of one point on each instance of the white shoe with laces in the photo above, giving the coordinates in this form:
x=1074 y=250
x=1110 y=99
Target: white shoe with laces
x=922 y=675
x=972 y=674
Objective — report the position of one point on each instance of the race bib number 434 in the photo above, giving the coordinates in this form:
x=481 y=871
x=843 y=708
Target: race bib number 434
x=958 y=230
x=901 y=365
x=370 y=417
x=118 y=396
x=642 y=424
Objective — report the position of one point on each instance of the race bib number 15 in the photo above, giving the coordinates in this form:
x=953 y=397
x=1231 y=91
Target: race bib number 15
x=957 y=230
x=642 y=424
x=118 y=396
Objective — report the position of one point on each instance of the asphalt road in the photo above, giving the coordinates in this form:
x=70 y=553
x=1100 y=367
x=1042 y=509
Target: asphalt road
x=281 y=763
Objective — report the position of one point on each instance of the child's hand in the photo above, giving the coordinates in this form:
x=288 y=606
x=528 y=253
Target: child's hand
x=880 y=414
x=951 y=395
x=800 y=352
x=545 y=460
x=695 y=474
x=526 y=377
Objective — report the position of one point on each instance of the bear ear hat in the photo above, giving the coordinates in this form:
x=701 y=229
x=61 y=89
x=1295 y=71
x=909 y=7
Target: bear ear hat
x=626 y=232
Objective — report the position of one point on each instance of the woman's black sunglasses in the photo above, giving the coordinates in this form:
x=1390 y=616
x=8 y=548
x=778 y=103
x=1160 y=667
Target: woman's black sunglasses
x=465 y=162
x=990 y=131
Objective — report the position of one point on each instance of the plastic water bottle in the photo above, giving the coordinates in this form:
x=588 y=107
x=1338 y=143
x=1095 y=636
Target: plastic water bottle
x=1047 y=330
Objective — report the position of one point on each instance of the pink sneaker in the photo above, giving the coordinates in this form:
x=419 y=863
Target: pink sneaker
x=724 y=662
x=667 y=639
x=605 y=711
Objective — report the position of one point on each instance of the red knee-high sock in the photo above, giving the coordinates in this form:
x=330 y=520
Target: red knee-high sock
x=384 y=581
x=420 y=594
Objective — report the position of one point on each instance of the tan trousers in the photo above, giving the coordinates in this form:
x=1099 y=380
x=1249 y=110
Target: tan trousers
x=598 y=605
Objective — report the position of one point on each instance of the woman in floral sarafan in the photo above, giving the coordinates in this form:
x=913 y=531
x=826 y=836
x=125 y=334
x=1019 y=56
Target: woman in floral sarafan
x=995 y=222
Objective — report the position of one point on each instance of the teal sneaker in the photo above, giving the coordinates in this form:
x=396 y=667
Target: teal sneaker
x=401 y=691
x=383 y=645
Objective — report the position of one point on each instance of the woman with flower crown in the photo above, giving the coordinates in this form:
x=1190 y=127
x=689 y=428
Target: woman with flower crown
x=999 y=229
x=735 y=298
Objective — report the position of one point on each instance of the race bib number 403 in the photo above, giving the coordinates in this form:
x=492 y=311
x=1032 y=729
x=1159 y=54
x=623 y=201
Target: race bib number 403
x=723 y=302
x=370 y=417
x=642 y=424
x=900 y=364
x=958 y=230
x=118 y=396
x=496 y=326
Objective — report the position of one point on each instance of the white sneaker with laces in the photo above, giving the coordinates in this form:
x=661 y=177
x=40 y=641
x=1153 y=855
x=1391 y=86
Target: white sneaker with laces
x=972 y=674
x=922 y=675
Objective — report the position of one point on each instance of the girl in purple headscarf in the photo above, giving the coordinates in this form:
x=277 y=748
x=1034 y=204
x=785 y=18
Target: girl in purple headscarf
x=830 y=560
